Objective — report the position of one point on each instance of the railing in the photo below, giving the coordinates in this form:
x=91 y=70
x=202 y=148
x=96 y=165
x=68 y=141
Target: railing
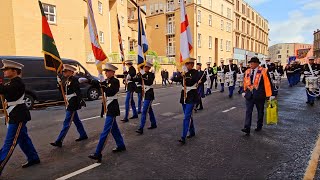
x=171 y=50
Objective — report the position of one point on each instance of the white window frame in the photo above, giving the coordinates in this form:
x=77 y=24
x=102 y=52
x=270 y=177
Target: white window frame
x=210 y=42
x=221 y=44
x=48 y=14
x=199 y=40
x=199 y=16
x=210 y=20
x=222 y=25
x=210 y=4
x=210 y=59
x=121 y=1
x=100 y=7
x=222 y=9
x=199 y=59
x=101 y=37
x=122 y=21
x=229 y=13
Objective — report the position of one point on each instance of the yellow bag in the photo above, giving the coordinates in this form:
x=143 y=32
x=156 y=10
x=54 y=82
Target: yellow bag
x=272 y=112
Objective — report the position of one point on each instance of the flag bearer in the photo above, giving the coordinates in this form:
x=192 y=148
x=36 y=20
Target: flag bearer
x=131 y=87
x=188 y=99
x=74 y=103
x=18 y=116
x=148 y=78
x=111 y=88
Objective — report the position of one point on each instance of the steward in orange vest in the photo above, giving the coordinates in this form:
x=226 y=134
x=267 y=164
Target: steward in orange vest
x=257 y=87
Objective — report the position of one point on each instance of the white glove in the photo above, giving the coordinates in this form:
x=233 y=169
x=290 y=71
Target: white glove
x=306 y=72
x=101 y=77
x=316 y=72
x=83 y=80
x=272 y=98
x=142 y=71
x=243 y=94
x=59 y=80
x=184 y=68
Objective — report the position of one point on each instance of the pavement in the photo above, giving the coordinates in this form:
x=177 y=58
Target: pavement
x=218 y=151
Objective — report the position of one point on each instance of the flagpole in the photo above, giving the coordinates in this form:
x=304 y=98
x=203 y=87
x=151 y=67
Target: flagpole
x=144 y=56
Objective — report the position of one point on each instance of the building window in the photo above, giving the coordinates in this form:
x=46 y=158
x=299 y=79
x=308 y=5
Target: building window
x=237 y=24
x=222 y=24
x=210 y=59
x=199 y=16
x=237 y=41
x=131 y=46
x=50 y=13
x=122 y=21
x=199 y=40
x=121 y=2
x=199 y=59
x=210 y=42
x=222 y=9
x=100 y=7
x=210 y=4
x=229 y=13
x=279 y=56
x=221 y=44
x=210 y=20
x=101 y=37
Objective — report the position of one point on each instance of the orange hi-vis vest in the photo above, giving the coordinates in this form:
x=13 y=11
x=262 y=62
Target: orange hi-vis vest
x=261 y=73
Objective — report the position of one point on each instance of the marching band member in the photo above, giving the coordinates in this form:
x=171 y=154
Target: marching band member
x=232 y=70
x=221 y=71
x=257 y=87
x=271 y=67
x=188 y=101
x=279 y=68
x=289 y=69
x=111 y=88
x=297 y=72
x=310 y=70
x=241 y=71
x=210 y=77
x=131 y=87
x=75 y=102
x=200 y=87
x=18 y=115
x=148 y=78
x=139 y=90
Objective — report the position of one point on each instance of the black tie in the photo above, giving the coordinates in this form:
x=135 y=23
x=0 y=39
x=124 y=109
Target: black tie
x=251 y=76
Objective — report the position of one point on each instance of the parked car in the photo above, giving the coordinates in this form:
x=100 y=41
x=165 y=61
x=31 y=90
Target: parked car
x=41 y=84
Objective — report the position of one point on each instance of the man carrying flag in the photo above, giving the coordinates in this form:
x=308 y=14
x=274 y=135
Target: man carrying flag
x=189 y=95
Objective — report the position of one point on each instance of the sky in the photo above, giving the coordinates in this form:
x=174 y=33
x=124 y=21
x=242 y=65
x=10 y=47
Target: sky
x=289 y=20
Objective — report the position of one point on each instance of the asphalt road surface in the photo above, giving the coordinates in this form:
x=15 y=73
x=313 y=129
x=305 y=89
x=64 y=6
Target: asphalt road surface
x=219 y=150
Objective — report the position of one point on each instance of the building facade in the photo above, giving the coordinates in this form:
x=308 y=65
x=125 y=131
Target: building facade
x=210 y=22
x=283 y=51
x=20 y=31
x=251 y=32
x=316 y=44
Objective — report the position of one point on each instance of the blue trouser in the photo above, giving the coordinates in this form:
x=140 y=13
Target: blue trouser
x=310 y=98
x=240 y=89
x=290 y=80
x=249 y=108
x=129 y=99
x=110 y=124
x=17 y=134
x=222 y=87
x=139 y=102
x=231 y=88
x=208 y=91
x=187 y=120
x=67 y=123
x=147 y=108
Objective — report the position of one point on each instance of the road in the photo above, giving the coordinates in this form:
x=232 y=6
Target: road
x=219 y=150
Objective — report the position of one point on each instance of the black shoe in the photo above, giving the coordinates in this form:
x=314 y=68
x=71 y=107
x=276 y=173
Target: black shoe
x=199 y=109
x=182 y=141
x=124 y=120
x=31 y=163
x=195 y=110
x=230 y=96
x=308 y=102
x=221 y=91
x=95 y=157
x=119 y=149
x=258 y=129
x=82 y=138
x=152 y=127
x=139 y=131
x=312 y=103
x=56 y=144
x=245 y=130
x=190 y=136
x=134 y=117
x=139 y=112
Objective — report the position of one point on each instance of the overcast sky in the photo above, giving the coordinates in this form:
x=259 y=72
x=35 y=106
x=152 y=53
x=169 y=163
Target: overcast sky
x=289 y=20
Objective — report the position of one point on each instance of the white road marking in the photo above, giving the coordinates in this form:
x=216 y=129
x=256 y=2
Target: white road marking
x=228 y=110
x=86 y=119
x=215 y=91
x=156 y=104
x=79 y=171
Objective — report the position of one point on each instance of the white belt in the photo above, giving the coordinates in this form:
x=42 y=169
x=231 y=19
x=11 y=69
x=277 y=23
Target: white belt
x=69 y=96
x=12 y=104
x=190 y=88
x=111 y=98
x=129 y=81
x=147 y=88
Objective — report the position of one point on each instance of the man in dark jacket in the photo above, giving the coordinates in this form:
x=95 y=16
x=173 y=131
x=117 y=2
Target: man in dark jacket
x=18 y=116
x=200 y=87
x=111 y=88
x=74 y=103
x=232 y=70
x=148 y=78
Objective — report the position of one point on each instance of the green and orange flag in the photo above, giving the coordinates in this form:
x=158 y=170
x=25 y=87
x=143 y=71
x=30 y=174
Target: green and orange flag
x=52 y=60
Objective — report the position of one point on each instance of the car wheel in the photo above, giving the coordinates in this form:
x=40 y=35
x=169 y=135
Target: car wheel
x=29 y=101
x=93 y=94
